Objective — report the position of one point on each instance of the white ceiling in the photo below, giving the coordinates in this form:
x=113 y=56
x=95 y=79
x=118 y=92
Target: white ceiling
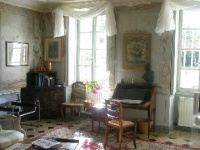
x=49 y=5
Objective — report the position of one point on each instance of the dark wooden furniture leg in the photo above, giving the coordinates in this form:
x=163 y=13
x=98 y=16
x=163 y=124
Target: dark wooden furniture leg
x=149 y=122
x=61 y=110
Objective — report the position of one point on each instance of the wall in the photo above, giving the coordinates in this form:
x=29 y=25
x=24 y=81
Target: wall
x=143 y=19
x=24 y=25
x=19 y=25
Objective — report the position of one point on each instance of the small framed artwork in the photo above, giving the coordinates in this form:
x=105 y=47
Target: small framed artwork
x=136 y=50
x=17 y=54
x=52 y=52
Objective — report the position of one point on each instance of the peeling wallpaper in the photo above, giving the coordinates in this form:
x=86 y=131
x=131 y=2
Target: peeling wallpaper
x=17 y=25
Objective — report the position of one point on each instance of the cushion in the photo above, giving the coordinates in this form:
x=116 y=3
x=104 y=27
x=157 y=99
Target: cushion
x=10 y=137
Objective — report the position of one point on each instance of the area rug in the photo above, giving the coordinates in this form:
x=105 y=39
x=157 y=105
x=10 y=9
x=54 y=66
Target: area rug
x=94 y=141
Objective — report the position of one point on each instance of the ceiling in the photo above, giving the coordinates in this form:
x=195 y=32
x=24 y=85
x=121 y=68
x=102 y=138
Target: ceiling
x=49 y=5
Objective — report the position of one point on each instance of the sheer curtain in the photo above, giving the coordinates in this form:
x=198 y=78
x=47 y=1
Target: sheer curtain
x=75 y=11
x=166 y=17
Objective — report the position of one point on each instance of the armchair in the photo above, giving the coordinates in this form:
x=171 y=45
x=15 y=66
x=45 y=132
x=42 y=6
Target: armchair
x=10 y=137
x=25 y=108
x=21 y=109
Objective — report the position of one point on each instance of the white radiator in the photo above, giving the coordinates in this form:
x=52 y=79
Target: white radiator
x=185 y=111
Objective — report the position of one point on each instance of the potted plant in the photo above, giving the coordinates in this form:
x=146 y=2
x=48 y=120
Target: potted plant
x=92 y=88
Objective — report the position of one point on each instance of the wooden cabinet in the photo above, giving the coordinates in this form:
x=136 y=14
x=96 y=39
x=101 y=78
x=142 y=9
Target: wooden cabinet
x=50 y=99
x=41 y=79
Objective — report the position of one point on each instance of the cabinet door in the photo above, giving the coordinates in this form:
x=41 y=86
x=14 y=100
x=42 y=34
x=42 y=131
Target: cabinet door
x=50 y=99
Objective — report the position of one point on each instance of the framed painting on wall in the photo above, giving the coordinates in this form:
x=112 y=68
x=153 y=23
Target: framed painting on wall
x=136 y=50
x=52 y=51
x=17 y=54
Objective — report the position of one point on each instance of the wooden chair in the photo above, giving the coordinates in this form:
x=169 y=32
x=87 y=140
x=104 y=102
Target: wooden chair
x=78 y=95
x=113 y=119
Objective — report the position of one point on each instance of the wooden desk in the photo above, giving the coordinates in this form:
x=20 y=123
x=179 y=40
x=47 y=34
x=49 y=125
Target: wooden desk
x=135 y=91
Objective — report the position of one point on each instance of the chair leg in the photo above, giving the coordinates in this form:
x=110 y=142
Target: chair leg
x=92 y=125
x=117 y=135
x=106 y=136
x=120 y=138
x=134 y=139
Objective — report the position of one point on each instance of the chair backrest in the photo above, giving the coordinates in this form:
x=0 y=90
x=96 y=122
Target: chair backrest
x=113 y=111
x=78 y=92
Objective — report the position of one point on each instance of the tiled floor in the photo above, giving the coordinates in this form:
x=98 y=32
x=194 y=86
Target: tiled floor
x=176 y=137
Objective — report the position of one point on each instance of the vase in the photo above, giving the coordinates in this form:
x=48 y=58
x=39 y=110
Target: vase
x=49 y=67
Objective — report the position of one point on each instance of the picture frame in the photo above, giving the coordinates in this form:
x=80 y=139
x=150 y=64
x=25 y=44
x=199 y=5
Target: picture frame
x=52 y=52
x=17 y=53
x=136 y=50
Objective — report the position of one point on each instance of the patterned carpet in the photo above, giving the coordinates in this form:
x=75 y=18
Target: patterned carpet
x=184 y=140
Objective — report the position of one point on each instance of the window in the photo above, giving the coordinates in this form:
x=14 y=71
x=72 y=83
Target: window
x=91 y=49
x=189 y=51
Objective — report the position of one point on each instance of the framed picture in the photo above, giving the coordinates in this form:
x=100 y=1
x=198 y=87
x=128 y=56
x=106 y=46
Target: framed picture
x=52 y=51
x=17 y=54
x=136 y=50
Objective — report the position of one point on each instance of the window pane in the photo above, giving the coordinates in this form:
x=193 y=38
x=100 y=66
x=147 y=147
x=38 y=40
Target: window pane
x=190 y=59
x=101 y=58
x=196 y=59
x=101 y=23
x=85 y=73
x=190 y=20
x=189 y=79
x=101 y=41
x=85 y=57
x=86 y=25
x=191 y=39
x=101 y=74
x=85 y=41
x=186 y=58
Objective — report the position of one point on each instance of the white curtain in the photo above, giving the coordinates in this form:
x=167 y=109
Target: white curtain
x=93 y=10
x=166 y=18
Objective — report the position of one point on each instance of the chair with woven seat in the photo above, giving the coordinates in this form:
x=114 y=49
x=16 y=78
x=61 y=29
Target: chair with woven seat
x=115 y=123
x=11 y=136
x=78 y=96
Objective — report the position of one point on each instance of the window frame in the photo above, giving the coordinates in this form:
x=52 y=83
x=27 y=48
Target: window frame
x=94 y=49
x=180 y=49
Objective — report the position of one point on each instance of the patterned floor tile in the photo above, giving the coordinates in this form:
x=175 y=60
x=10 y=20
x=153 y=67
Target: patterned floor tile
x=186 y=139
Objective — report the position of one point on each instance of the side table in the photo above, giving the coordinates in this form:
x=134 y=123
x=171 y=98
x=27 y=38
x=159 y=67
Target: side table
x=98 y=114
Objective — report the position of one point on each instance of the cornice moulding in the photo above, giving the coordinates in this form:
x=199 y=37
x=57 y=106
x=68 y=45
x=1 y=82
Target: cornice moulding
x=43 y=6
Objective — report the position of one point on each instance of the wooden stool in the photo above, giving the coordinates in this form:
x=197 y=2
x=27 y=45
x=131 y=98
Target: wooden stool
x=98 y=114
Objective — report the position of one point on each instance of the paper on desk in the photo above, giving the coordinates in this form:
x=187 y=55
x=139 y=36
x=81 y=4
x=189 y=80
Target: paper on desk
x=18 y=146
x=129 y=101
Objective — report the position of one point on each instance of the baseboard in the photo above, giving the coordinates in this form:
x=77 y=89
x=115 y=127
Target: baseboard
x=178 y=128
x=164 y=129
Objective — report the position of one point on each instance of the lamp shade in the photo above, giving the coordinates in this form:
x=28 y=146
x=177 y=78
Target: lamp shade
x=196 y=110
